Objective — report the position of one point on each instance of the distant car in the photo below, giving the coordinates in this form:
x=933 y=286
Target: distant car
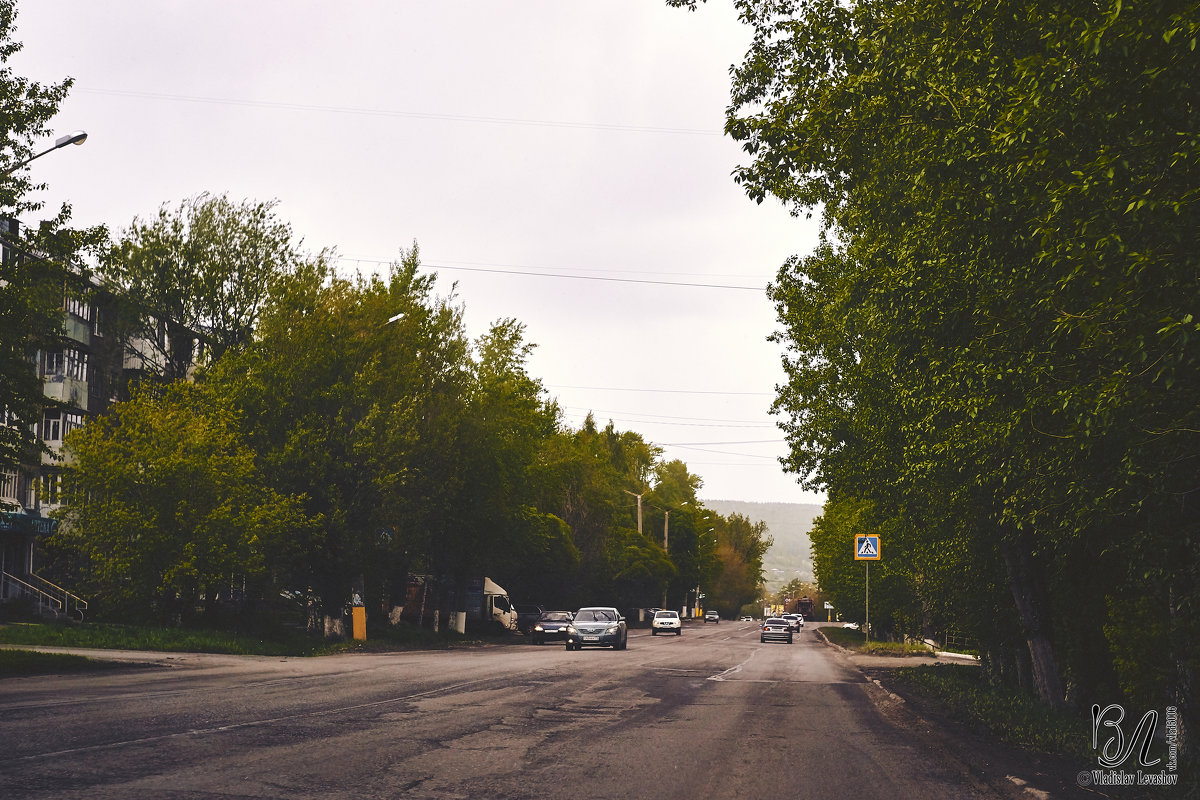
x=666 y=622
x=551 y=625
x=527 y=615
x=794 y=620
x=746 y=618
x=712 y=616
x=776 y=629
x=597 y=626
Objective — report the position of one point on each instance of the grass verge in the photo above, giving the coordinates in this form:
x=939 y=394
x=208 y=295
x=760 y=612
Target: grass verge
x=274 y=642
x=964 y=694
x=855 y=640
x=17 y=663
x=185 y=640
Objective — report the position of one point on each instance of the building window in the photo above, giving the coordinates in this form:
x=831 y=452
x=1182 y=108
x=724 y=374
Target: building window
x=52 y=362
x=52 y=426
x=50 y=483
x=76 y=364
x=71 y=421
x=79 y=308
x=8 y=485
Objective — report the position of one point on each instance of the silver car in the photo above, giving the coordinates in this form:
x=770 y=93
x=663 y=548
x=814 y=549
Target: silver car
x=597 y=626
x=776 y=629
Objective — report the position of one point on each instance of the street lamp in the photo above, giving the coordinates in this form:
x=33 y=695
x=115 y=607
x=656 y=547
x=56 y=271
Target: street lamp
x=639 y=508
x=78 y=137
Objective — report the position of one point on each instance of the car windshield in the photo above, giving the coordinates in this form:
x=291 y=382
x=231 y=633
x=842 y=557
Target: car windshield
x=666 y=615
x=555 y=616
x=596 y=615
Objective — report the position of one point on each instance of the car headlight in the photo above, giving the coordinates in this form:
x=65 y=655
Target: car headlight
x=570 y=629
x=537 y=628
x=612 y=630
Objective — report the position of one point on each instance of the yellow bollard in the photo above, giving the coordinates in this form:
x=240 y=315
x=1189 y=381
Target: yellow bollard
x=358 y=619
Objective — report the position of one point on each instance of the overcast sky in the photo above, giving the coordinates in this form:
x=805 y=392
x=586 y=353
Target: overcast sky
x=579 y=141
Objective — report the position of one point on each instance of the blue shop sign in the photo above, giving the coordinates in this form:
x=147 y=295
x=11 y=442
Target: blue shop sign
x=27 y=523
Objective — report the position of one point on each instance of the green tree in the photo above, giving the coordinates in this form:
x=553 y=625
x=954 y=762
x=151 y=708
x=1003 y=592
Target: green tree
x=30 y=287
x=202 y=273
x=360 y=416
x=737 y=572
x=1000 y=316
x=495 y=527
x=168 y=510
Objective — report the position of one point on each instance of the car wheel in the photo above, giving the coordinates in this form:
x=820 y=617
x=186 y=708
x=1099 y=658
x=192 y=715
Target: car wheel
x=789 y=640
x=761 y=640
x=678 y=631
x=654 y=631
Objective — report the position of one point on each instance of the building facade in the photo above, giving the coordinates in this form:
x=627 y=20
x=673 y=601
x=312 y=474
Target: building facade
x=90 y=368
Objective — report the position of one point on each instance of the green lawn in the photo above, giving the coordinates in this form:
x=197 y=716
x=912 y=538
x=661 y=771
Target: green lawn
x=278 y=642
x=963 y=693
x=855 y=640
x=130 y=637
x=16 y=663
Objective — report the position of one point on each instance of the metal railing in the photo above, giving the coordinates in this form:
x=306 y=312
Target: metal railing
x=50 y=596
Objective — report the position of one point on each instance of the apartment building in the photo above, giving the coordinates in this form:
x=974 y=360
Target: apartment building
x=89 y=369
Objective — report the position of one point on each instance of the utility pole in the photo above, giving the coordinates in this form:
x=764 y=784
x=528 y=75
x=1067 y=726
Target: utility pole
x=666 y=517
x=639 y=499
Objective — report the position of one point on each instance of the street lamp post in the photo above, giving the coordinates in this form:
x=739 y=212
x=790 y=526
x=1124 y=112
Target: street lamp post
x=78 y=137
x=639 y=507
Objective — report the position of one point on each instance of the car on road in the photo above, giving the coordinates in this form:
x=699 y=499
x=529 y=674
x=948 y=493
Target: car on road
x=747 y=618
x=527 y=615
x=775 y=629
x=712 y=616
x=666 y=622
x=794 y=620
x=597 y=626
x=550 y=625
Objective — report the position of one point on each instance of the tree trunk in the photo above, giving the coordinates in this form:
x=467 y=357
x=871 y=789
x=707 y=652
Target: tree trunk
x=1181 y=687
x=1030 y=598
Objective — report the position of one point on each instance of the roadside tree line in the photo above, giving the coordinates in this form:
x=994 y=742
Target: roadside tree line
x=993 y=353
x=306 y=433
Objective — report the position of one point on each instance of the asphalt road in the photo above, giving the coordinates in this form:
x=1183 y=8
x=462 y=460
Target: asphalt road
x=710 y=714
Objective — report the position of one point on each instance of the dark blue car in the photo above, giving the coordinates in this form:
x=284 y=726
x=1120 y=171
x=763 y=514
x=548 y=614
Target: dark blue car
x=551 y=625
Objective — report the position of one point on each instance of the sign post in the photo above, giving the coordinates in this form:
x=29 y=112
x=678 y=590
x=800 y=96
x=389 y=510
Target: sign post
x=867 y=548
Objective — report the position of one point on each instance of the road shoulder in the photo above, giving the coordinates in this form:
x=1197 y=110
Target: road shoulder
x=1006 y=770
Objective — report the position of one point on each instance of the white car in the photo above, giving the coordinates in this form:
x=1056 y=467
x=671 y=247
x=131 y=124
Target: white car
x=666 y=622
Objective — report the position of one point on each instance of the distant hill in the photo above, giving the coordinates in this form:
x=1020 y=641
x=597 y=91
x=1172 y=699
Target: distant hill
x=788 y=523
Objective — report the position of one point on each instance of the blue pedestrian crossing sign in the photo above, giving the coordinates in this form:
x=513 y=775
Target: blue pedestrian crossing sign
x=866 y=547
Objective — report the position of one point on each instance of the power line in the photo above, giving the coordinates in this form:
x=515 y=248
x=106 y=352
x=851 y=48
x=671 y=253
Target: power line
x=732 y=423
x=662 y=391
x=459 y=263
x=629 y=421
x=384 y=112
x=527 y=273
x=722 y=452
x=694 y=444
